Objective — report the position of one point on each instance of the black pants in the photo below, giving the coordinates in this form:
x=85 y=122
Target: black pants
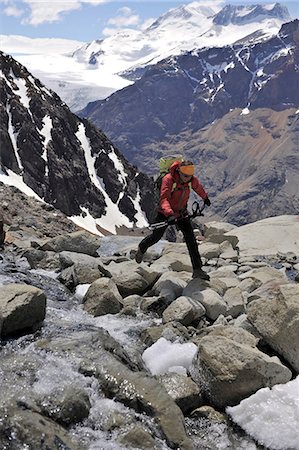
x=186 y=228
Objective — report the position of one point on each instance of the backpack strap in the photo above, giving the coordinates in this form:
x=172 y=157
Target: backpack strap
x=174 y=187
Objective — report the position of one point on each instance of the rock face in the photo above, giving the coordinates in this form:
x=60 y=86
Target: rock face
x=196 y=103
x=64 y=160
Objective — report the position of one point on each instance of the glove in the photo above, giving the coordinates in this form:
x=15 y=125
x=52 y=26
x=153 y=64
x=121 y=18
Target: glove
x=171 y=220
x=207 y=201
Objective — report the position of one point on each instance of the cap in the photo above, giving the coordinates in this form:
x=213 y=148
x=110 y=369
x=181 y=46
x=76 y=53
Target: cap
x=187 y=170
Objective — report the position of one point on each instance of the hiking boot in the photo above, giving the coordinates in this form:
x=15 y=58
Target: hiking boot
x=199 y=273
x=139 y=256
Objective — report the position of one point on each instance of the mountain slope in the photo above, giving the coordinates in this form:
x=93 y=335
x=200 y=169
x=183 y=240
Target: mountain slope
x=101 y=67
x=51 y=154
x=192 y=90
x=231 y=110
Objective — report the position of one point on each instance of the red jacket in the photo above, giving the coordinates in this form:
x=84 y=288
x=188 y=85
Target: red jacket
x=173 y=202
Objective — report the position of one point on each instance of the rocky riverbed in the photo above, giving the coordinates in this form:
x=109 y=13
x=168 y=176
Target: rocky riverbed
x=77 y=314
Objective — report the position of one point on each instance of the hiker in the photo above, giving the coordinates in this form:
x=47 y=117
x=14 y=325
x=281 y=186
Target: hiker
x=174 y=195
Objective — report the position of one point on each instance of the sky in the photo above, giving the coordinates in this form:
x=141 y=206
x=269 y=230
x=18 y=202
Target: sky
x=87 y=20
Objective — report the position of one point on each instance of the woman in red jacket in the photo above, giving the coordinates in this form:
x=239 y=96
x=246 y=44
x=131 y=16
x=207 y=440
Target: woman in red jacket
x=174 y=196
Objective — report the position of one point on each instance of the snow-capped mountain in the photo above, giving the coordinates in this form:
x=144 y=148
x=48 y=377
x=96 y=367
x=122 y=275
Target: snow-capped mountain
x=99 y=68
x=49 y=153
x=179 y=100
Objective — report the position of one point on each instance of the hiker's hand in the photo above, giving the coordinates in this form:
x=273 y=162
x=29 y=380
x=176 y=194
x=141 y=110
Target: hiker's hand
x=171 y=220
x=207 y=201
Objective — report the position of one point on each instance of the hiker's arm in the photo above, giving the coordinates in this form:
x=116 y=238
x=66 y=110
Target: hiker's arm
x=198 y=188
x=165 y=194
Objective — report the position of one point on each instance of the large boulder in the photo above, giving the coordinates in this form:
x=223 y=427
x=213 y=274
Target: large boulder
x=78 y=241
x=169 y=285
x=228 y=371
x=183 y=310
x=268 y=236
x=102 y=298
x=277 y=320
x=22 y=308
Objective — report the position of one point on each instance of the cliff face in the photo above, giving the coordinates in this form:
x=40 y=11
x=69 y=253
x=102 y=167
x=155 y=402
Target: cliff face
x=61 y=158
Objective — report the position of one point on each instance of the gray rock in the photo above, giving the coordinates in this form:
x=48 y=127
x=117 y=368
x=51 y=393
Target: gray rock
x=184 y=310
x=212 y=302
x=68 y=407
x=78 y=241
x=235 y=301
x=140 y=438
x=183 y=390
x=102 y=298
x=229 y=371
x=277 y=320
x=169 y=285
x=22 y=307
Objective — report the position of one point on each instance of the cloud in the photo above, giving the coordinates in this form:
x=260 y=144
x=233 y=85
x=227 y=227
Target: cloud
x=125 y=18
x=42 y=11
x=13 y=11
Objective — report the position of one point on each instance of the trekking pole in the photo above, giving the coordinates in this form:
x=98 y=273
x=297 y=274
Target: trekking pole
x=155 y=226
x=197 y=211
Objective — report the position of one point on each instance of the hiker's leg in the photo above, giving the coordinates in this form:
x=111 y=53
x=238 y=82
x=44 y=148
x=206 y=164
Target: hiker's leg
x=156 y=235
x=187 y=230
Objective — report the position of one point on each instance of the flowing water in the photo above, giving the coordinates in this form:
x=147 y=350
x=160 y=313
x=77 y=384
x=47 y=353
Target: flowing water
x=29 y=370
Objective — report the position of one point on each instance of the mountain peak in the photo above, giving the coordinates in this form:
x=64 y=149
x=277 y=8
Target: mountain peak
x=242 y=14
x=190 y=12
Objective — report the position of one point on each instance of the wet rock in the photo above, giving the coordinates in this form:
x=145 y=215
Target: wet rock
x=69 y=406
x=22 y=307
x=22 y=427
x=139 y=438
x=183 y=390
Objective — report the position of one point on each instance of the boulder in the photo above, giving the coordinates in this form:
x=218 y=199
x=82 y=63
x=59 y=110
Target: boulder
x=228 y=371
x=69 y=406
x=212 y=302
x=184 y=310
x=235 y=301
x=102 y=298
x=22 y=307
x=138 y=437
x=184 y=391
x=30 y=429
x=78 y=241
x=277 y=320
x=172 y=331
x=39 y=259
x=169 y=286
x=129 y=278
x=264 y=274
x=173 y=261
x=268 y=236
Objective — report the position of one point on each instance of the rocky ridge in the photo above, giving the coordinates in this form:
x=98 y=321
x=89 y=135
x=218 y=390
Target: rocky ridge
x=51 y=154
x=244 y=309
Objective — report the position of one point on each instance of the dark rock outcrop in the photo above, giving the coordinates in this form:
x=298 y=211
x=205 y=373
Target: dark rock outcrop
x=65 y=160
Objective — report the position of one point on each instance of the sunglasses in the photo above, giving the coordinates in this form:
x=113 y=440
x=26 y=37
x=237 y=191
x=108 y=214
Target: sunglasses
x=185 y=176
